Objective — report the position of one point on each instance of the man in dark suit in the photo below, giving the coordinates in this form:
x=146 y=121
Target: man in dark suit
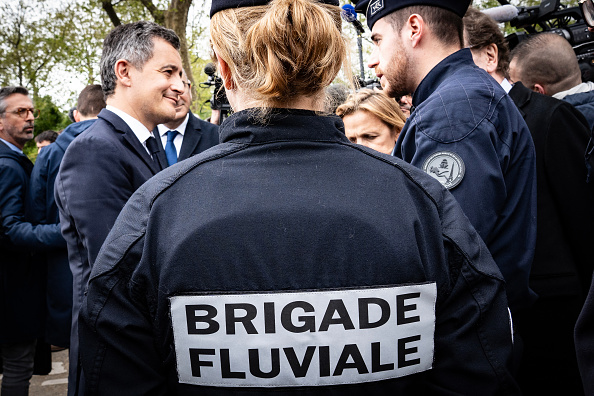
x=21 y=281
x=562 y=266
x=187 y=135
x=44 y=211
x=141 y=77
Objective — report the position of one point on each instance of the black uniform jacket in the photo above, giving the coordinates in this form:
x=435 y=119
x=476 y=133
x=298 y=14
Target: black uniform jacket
x=291 y=206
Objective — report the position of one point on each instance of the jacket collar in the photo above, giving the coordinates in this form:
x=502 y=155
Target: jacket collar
x=282 y=124
x=440 y=72
x=122 y=127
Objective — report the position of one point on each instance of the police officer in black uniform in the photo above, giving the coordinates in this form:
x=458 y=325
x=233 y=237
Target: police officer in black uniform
x=262 y=266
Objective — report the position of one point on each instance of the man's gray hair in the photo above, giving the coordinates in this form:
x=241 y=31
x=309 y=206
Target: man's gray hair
x=134 y=43
x=6 y=92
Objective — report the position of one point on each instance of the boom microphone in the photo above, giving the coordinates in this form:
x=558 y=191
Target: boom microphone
x=501 y=14
x=349 y=14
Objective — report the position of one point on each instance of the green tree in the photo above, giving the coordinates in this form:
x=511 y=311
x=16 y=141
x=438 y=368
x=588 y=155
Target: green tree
x=50 y=118
x=34 y=38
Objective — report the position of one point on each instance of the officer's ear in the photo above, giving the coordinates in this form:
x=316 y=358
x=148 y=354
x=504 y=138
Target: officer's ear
x=76 y=115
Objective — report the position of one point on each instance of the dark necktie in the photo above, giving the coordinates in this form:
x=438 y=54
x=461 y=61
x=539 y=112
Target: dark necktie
x=153 y=148
x=170 y=150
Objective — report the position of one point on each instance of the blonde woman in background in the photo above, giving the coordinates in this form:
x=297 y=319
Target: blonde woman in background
x=372 y=119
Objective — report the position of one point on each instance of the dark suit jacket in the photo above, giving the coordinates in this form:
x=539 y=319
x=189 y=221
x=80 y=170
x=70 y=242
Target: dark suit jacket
x=44 y=211
x=100 y=170
x=199 y=136
x=21 y=281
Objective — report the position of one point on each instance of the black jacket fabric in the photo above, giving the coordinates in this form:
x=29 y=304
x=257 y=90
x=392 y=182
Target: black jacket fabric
x=290 y=208
x=563 y=262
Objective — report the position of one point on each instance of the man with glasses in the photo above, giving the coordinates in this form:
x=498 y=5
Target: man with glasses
x=21 y=282
x=186 y=135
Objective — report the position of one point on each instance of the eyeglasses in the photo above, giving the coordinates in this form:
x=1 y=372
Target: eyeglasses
x=23 y=113
x=587 y=7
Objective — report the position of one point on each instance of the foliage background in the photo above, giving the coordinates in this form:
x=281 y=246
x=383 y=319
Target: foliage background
x=53 y=47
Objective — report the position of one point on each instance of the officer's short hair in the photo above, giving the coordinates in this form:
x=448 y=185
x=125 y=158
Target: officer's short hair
x=134 y=43
x=445 y=24
x=90 y=101
x=5 y=92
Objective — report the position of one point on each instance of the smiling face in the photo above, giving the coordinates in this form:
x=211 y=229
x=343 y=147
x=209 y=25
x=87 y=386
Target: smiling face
x=14 y=128
x=391 y=60
x=362 y=127
x=156 y=89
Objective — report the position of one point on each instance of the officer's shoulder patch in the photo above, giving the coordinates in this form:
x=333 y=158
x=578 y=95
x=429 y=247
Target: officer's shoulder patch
x=446 y=167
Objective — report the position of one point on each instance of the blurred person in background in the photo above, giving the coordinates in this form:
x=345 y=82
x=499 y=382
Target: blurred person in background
x=22 y=281
x=45 y=211
x=45 y=138
x=372 y=119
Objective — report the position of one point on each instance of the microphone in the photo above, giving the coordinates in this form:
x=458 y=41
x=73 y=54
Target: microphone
x=210 y=69
x=349 y=14
x=501 y=14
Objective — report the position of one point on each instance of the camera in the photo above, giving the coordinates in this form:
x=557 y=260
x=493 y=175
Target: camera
x=553 y=17
x=218 y=100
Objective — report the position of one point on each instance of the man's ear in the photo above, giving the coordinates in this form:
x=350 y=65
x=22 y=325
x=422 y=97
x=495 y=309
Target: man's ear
x=76 y=115
x=492 y=53
x=122 y=70
x=225 y=72
x=540 y=89
x=415 y=29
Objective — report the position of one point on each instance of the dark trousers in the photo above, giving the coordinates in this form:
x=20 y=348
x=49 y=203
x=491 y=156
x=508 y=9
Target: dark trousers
x=17 y=365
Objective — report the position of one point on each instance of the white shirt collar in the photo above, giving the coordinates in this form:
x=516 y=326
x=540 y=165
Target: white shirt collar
x=12 y=146
x=181 y=129
x=141 y=132
x=506 y=85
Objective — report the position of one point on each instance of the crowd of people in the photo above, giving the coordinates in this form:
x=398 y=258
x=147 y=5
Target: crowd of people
x=429 y=237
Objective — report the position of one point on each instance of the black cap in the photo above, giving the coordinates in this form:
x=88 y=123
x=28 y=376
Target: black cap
x=377 y=9
x=219 y=5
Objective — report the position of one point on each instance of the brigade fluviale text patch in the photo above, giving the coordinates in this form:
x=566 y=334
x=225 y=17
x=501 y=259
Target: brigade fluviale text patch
x=304 y=338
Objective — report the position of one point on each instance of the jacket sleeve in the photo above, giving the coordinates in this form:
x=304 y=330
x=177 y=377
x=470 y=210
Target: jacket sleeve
x=116 y=332
x=13 y=194
x=92 y=187
x=473 y=339
x=497 y=194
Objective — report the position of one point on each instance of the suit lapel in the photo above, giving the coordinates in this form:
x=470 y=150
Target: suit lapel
x=192 y=137
x=130 y=138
